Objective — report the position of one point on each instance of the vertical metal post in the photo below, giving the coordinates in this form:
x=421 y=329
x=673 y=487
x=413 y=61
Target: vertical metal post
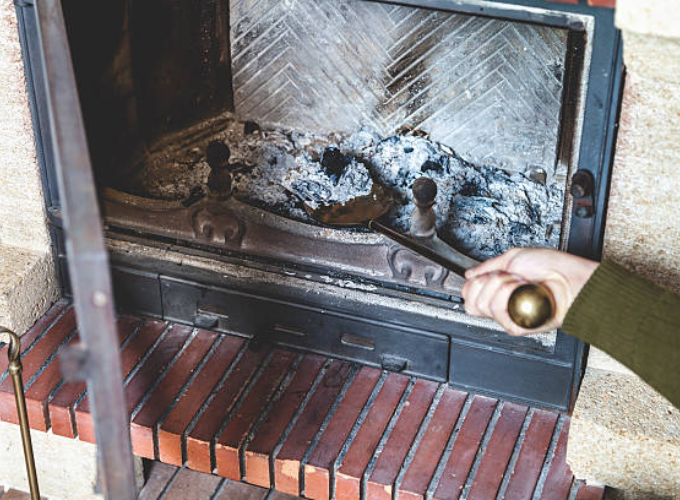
x=15 y=372
x=87 y=256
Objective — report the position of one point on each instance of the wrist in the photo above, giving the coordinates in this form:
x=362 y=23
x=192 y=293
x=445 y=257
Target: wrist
x=582 y=272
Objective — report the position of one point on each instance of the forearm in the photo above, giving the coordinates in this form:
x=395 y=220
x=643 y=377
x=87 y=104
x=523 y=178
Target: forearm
x=634 y=321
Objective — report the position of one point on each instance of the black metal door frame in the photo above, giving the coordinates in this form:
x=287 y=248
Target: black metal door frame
x=63 y=149
x=549 y=379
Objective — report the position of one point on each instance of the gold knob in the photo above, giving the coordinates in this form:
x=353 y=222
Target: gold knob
x=531 y=306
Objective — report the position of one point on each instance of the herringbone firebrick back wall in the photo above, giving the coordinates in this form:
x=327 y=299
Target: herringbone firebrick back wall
x=488 y=88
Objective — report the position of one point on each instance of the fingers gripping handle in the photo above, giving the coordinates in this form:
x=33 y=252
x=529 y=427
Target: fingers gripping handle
x=531 y=306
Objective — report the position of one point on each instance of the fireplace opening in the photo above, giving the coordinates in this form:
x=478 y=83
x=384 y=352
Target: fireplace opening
x=211 y=126
x=482 y=210
x=314 y=109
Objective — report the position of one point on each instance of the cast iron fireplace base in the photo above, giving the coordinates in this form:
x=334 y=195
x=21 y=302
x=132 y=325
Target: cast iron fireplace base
x=301 y=308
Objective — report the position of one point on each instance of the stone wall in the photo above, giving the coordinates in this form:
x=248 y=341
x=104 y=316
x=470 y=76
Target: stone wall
x=28 y=285
x=643 y=225
x=623 y=433
x=22 y=217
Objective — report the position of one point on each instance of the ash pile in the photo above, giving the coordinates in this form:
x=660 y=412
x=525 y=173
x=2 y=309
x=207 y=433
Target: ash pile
x=481 y=210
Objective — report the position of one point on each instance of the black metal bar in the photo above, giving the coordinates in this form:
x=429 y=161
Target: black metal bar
x=88 y=259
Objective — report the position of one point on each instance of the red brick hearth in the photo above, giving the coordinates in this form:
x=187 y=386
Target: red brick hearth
x=300 y=423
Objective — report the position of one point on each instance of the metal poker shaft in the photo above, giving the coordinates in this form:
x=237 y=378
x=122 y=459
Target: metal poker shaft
x=15 y=369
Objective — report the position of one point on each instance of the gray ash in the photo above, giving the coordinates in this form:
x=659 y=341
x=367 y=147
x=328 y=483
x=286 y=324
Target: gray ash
x=317 y=184
x=481 y=210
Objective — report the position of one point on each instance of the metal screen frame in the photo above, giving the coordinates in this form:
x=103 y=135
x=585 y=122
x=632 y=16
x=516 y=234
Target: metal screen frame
x=65 y=159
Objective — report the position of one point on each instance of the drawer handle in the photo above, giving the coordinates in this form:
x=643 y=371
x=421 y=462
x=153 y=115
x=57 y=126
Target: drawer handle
x=289 y=331
x=211 y=318
x=205 y=320
x=393 y=363
x=357 y=341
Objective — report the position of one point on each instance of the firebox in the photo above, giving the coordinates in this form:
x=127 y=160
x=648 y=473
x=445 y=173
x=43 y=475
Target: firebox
x=212 y=125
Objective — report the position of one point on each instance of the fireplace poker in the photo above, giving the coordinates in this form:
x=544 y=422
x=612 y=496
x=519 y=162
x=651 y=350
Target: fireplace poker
x=530 y=306
x=15 y=369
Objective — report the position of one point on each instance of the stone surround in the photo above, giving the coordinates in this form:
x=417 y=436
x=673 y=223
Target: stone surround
x=28 y=285
x=27 y=275
x=623 y=433
x=22 y=217
x=67 y=469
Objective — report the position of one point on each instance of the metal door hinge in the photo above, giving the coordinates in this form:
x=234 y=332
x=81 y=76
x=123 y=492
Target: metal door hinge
x=583 y=189
x=55 y=217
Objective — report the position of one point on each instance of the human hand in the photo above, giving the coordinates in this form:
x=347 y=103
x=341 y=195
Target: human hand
x=490 y=285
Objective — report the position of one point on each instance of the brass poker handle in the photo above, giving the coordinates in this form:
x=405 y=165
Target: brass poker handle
x=531 y=306
x=15 y=368
x=417 y=247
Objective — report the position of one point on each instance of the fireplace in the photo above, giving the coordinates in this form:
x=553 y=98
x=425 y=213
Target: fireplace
x=208 y=127
x=489 y=101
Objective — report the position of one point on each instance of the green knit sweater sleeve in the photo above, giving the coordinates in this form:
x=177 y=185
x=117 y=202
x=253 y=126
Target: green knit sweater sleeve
x=635 y=322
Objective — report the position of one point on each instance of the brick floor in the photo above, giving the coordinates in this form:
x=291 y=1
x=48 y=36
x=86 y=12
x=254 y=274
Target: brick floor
x=12 y=494
x=301 y=424
x=173 y=483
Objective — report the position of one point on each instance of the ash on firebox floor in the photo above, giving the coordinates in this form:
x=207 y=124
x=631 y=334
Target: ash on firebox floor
x=482 y=211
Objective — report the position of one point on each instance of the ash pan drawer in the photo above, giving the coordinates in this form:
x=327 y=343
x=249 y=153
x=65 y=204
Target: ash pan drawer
x=387 y=346
x=334 y=333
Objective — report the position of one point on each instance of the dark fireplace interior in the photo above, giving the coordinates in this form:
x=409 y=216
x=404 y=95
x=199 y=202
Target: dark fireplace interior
x=473 y=103
x=212 y=125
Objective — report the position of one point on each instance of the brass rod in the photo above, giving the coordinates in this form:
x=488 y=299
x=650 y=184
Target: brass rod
x=15 y=369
